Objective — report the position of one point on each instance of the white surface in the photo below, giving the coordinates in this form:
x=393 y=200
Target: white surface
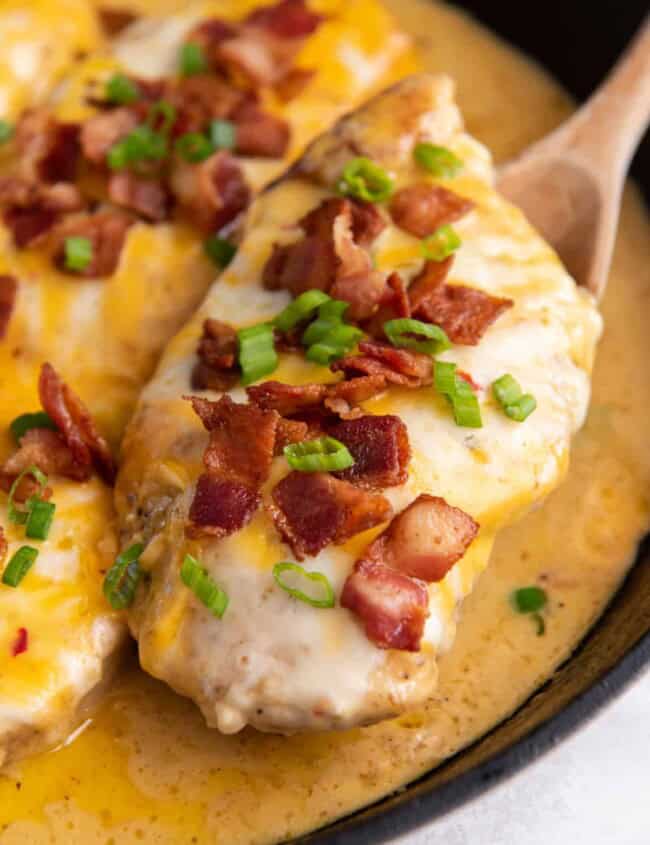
x=593 y=788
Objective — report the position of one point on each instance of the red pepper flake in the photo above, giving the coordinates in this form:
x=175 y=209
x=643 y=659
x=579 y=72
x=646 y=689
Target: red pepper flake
x=21 y=643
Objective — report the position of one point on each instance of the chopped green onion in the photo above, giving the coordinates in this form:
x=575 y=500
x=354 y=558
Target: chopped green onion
x=192 y=60
x=220 y=250
x=541 y=625
x=301 y=309
x=522 y=408
x=6 y=131
x=143 y=144
x=506 y=390
x=200 y=582
x=21 y=562
x=19 y=516
x=122 y=578
x=332 y=333
x=257 y=355
x=22 y=424
x=529 y=599
x=365 y=180
x=121 y=90
x=40 y=519
x=223 y=134
x=78 y=253
x=400 y=333
x=317 y=577
x=328 y=337
x=514 y=402
x=444 y=377
x=325 y=454
x=163 y=111
x=333 y=309
x=439 y=161
x=193 y=146
x=466 y=410
x=441 y=244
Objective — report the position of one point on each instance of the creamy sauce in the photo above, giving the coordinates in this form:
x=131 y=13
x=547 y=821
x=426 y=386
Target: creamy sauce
x=148 y=770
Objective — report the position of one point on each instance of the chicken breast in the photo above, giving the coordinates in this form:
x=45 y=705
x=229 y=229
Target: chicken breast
x=293 y=600
x=103 y=325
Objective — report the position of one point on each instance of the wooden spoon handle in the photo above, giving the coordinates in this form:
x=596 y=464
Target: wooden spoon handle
x=607 y=129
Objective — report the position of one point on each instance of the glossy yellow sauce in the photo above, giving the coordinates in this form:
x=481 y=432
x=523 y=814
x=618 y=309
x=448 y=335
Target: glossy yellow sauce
x=147 y=770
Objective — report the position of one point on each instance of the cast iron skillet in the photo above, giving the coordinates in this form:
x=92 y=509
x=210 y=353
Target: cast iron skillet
x=579 y=42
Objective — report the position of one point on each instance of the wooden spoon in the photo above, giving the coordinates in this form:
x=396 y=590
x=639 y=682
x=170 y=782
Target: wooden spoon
x=569 y=184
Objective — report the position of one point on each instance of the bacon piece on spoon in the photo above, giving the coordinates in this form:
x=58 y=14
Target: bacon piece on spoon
x=425 y=539
x=312 y=510
x=464 y=313
x=220 y=507
x=237 y=461
x=391 y=606
x=380 y=448
x=217 y=352
x=421 y=209
x=403 y=367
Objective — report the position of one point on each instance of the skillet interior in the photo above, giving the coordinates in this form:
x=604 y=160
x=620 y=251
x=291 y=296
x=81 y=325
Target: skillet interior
x=579 y=50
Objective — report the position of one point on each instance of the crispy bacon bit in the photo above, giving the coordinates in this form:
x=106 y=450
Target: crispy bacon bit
x=220 y=507
x=287 y=399
x=260 y=133
x=75 y=424
x=201 y=98
x=3 y=545
x=242 y=439
x=113 y=21
x=425 y=539
x=286 y=19
x=106 y=231
x=102 y=131
x=421 y=209
x=263 y=48
x=317 y=399
x=428 y=280
x=364 y=291
x=312 y=510
x=329 y=258
x=215 y=192
x=48 y=148
x=32 y=208
x=344 y=397
x=294 y=83
x=210 y=33
x=147 y=197
x=290 y=431
x=217 y=351
x=45 y=449
x=8 y=294
x=392 y=606
x=464 y=313
x=380 y=448
x=393 y=304
x=367 y=222
x=21 y=643
x=398 y=366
